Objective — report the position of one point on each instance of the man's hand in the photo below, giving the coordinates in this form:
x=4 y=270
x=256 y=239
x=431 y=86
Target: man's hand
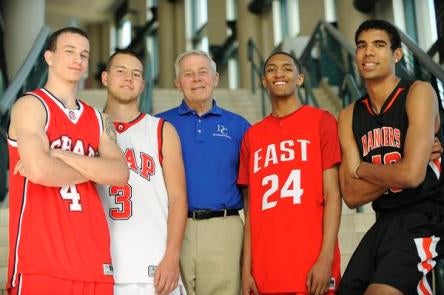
x=319 y=276
x=248 y=284
x=437 y=150
x=166 y=276
x=19 y=168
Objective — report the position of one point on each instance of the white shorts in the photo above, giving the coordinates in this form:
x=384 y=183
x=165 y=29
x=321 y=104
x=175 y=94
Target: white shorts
x=143 y=289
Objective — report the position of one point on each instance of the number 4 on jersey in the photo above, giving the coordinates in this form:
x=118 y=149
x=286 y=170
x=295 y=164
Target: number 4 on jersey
x=69 y=192
x=290 y=189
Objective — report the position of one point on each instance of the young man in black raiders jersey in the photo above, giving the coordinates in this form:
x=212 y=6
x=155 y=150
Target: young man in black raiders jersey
x=394 y=124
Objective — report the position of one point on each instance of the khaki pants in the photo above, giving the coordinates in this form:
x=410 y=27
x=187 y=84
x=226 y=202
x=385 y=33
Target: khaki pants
x=211 y=256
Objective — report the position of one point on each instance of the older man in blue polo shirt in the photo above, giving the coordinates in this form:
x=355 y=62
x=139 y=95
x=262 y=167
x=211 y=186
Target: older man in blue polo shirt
x=211 y=138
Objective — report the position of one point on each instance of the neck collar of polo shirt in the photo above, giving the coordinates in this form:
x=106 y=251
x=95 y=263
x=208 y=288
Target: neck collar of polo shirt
x=185 y=109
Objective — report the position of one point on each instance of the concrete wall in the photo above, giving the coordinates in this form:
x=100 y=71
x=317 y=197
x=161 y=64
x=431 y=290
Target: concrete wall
x=23 y=21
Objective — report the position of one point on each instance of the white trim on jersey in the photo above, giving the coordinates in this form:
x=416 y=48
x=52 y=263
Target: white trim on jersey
x=45 y=106
x=12 y=142
x=72 y=115
x=100 y=120
x=19 y=233
x=426 y=248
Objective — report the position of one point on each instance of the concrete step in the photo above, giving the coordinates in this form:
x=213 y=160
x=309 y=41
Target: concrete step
x=4 y=217
x=349 y=241
x=4 y=237
x=3 y=276
x=4 y=255
x=240 y=101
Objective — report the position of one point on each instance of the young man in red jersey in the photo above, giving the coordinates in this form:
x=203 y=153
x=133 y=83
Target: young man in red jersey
x=289 y=161
x=59 y=147
x=393 y=124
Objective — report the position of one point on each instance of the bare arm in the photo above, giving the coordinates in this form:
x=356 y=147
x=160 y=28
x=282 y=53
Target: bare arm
x=355 y=192
x=98 y=169
x=422 y=112
x=167 y=273
x=248 y=283
x=320 y=274
x=36 y=162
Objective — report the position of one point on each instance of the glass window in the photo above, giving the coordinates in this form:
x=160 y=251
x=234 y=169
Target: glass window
x=286 y=22
x=124 y=34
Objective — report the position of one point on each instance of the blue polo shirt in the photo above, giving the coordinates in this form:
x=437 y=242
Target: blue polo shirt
x=211 y=147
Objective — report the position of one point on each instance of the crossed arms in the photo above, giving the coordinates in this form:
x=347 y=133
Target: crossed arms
x=420 y=146
x=56 y=168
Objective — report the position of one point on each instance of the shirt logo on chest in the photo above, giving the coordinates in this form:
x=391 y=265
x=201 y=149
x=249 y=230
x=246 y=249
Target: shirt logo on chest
x=77 y=146
x=146 y=166
x=380 y=137
x=222 y=131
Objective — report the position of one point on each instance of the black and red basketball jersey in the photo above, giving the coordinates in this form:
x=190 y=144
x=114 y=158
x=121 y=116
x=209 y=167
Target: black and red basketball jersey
x=381 y=137
x=59 y=231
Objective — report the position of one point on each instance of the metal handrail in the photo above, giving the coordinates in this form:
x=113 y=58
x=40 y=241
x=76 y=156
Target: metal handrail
x=425 y=60
x=146 y=99
x=256 y=70
x=139 y=45
x=24 y=72
x=349 y=87
x=338 y=37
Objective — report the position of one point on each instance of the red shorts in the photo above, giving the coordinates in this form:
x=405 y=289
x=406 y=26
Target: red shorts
x=42 y=284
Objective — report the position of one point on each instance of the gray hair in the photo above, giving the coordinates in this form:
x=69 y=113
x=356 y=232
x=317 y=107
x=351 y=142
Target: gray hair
x=193 y=52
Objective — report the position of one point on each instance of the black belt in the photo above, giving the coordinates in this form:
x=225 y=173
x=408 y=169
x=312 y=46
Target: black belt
x=206 y=214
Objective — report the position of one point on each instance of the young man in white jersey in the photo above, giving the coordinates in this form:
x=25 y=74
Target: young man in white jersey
x=147 y=216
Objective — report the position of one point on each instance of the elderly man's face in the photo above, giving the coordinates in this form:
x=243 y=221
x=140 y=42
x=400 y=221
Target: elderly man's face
x=196 y=79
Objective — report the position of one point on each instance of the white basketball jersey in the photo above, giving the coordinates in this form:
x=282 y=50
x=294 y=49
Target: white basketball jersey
x=137 y=213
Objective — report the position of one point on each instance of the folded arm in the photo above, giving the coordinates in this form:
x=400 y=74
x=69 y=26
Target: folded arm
x=109 y=168
x=36 y=161
x=423 y=118
x=355 y=192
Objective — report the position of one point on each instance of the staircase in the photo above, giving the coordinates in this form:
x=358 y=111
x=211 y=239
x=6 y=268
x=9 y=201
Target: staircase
x=353 y=227
x=240 y=101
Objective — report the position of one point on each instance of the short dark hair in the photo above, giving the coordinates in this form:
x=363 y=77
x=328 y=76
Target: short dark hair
x=52 y=40
x=291 y=55
x=123 y=51
x=379 y=24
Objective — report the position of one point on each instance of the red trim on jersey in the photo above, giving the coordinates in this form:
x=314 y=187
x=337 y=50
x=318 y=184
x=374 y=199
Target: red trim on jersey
x=123 y=126
x=393 y=99
x=366 y=102
x=160 y=139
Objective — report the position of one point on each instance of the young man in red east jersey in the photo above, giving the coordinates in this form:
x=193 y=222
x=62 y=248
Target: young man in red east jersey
x=289 y=161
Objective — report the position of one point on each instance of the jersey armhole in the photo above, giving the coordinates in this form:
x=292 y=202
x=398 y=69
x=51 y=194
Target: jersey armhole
x=160 y=139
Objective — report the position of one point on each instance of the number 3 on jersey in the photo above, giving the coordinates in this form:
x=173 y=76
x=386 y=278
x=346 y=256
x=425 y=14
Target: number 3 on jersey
x=122 y=198
x=290 y=189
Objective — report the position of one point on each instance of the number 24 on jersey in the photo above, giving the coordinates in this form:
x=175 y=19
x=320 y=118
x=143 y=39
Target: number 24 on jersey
x=290 y=189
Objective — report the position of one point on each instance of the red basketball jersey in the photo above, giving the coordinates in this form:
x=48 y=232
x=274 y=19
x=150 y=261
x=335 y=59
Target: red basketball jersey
x=59 y=231
x=282 y=161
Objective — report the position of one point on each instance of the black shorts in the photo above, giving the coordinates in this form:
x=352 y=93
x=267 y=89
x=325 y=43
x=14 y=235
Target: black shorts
x=399 y=250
